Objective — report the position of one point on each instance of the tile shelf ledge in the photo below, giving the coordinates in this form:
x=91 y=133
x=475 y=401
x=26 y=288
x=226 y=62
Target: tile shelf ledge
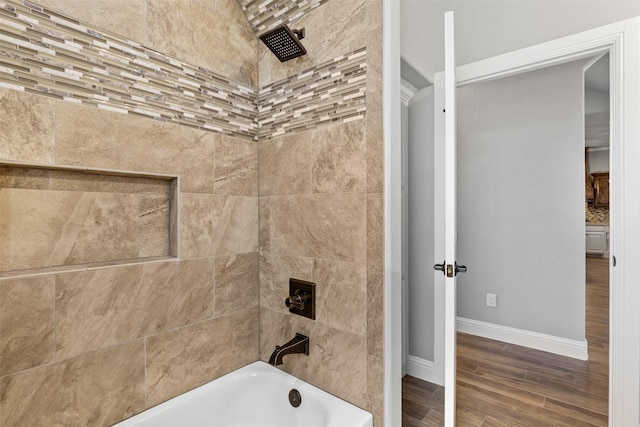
x=83 y=169
x=27 y=177
x=44 y=271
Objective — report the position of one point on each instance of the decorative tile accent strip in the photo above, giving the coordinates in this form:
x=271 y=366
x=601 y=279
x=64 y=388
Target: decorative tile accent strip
x=49 y=54
x=265 y=15
x=332 y=91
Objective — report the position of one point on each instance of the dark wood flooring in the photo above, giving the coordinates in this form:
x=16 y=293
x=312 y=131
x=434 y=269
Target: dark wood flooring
x=501 y=384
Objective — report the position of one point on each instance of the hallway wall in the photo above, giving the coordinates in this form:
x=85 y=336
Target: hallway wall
x=521 y=201
x=421 y=216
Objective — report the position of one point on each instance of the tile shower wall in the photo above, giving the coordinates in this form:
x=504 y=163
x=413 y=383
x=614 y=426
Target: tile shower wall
x=91 y=346
x=212 y=34
x=49 y=54
x=120 y=339
x=321 y=212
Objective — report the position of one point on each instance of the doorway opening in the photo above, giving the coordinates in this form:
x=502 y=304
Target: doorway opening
x=531 y=182
x=624 y=393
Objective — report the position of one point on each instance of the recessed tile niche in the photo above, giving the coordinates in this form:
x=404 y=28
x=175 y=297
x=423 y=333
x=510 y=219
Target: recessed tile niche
x=60 y=218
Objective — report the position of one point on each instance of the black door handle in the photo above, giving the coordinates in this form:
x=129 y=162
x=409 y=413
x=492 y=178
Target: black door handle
x=461 y=268
x=448 y=271
x=439 y=267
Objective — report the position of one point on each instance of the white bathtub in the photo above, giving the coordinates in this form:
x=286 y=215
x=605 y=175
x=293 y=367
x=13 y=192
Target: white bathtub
x=254 y=396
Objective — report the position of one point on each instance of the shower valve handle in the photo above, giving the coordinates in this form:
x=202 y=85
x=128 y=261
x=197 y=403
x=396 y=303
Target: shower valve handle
x=297 y=301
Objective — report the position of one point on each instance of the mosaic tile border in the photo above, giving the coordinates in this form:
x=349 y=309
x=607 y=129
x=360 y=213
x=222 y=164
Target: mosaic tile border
x=265 y=15
x=49 y=54
x=332 y=91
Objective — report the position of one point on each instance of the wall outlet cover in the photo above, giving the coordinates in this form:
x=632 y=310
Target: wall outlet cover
x=491 y=300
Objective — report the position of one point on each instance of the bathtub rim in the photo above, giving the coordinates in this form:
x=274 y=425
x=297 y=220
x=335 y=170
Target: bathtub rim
x=256 y=367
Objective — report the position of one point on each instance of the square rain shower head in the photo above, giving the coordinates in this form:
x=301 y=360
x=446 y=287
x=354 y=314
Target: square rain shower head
x=284 y=44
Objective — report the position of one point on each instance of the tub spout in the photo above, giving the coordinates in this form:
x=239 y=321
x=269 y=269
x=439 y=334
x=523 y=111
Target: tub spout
x=299 y=344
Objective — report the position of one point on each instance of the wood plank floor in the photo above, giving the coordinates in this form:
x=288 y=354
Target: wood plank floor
x=503 y=385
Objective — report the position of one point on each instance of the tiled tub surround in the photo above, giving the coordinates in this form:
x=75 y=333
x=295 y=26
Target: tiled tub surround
x=95 y=345
x=140 y=356
x=46 y=53
x=54 y=217
x=322 y=217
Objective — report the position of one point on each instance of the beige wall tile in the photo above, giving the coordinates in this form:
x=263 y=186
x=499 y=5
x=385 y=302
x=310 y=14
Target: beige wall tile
x=96 y=389
x=212 y=34
x=153 y=222
x=264 y=65
x=199 y=222
x=286 y=164
x=275 y=272
x=33 y=179
x=238 y=45
x=122 y=17
x=85 y=181
x=337 y=360
x=218 y=225
x=236 y=166
x=376 y=407
x=330 y=226
x=375 y=152
x=94 y=138
x=375 y=315
x=185 y=358
x=341 y=292
x=27 y=123
x=99 y=308
x=375 y=375
x=375 y=234
x=236 y=283
x=45 y=228
x=26 y=323
x=375 y=389
x=340 y=158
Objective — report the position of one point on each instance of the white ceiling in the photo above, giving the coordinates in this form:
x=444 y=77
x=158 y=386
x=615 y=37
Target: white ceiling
x=486 y=28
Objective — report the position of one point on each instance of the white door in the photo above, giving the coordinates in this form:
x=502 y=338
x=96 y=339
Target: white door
x=624 y=393
x=446 y=143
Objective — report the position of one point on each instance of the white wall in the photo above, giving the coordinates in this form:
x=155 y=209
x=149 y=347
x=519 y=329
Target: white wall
x=598 y=161
x=489 y=28
x=420 y=168
x=595 y=101
x=521 y=201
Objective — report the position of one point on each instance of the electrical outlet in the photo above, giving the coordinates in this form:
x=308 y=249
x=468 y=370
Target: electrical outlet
x=491 y=300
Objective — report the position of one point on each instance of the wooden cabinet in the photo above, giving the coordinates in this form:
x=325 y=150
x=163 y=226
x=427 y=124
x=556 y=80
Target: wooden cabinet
x=588 y=186
x=601 y=186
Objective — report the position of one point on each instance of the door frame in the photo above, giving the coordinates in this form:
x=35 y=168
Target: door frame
x=622 y=40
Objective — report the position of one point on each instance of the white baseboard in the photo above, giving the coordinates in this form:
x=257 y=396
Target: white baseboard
x=549 y=343
x=421 y=368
